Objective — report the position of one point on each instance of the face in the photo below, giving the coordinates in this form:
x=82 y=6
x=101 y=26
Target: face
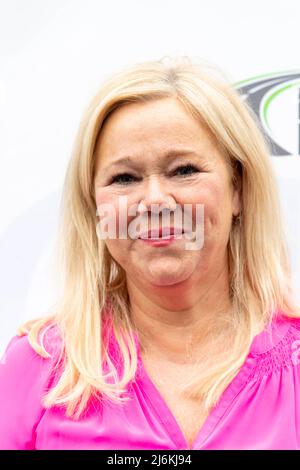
x=172 y=159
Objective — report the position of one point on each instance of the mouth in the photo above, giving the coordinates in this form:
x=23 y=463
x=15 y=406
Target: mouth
x=164 y=233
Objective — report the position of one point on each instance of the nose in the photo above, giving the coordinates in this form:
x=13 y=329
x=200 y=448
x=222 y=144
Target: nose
x=155 y=197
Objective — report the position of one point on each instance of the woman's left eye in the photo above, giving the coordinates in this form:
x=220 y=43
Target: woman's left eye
x=186 y=170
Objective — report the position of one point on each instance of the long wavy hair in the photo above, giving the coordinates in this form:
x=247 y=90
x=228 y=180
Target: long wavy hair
x=93 y=283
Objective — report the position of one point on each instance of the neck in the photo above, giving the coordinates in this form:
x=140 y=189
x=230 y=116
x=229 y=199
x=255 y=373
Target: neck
x=179 y=322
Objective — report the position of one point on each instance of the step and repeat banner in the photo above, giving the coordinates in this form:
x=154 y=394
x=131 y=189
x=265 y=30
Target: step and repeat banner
x=53 y=56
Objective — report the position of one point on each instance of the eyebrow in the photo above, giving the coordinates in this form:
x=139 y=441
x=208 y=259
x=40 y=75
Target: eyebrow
x=171 y=154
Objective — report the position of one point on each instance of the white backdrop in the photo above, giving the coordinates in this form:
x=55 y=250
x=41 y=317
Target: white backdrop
x=55 y=53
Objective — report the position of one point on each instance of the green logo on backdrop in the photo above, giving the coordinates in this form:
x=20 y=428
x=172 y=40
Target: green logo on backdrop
x=275 y=99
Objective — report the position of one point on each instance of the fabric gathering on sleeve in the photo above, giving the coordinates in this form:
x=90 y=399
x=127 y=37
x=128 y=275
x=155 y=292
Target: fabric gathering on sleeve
x=259 y=409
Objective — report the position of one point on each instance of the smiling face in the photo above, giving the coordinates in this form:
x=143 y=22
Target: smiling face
x=171 y=159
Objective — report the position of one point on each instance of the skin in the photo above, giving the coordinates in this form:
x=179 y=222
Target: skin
x=175 y=294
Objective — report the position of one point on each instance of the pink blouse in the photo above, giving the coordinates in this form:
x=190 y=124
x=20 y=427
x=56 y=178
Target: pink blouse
x=260 y=408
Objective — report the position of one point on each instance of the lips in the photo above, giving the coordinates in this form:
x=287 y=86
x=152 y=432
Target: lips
x=165 y=232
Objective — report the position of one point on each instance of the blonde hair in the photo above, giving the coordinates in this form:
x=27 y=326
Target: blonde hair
x=93 y=282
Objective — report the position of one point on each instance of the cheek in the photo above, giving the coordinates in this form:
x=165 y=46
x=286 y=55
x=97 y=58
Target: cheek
x=102 y=196
x=117 y=212
x=212 y=198
x=108 y=209
x=118 y=250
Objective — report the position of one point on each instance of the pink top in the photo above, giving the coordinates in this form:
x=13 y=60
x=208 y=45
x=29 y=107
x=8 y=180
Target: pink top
x=260 y=408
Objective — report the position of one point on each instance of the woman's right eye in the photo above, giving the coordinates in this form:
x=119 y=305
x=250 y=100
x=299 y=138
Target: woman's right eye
x=122 y=178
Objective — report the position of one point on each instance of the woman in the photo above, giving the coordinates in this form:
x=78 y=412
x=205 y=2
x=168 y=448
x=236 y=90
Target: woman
x=154 y=344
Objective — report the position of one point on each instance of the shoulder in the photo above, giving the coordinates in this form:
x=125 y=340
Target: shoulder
x=288 y=329
x=294 y=323
x=295 y=340
x=18 y=352
x=20 y=355
x=292 y=326
x=277 y=348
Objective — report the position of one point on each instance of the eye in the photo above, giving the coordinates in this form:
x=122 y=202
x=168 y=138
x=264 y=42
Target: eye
x=122 y=178
x=182 y=170
x=185 y=170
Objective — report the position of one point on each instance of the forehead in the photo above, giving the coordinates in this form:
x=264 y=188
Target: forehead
x=150 y=129
x=164 y=110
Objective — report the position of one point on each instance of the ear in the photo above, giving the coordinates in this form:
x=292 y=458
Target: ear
x=237 y=193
